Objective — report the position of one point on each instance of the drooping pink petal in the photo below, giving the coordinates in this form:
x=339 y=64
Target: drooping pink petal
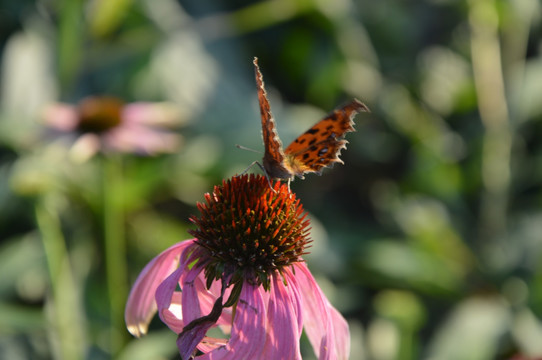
x=194 y=332
x=193 y=295
x=172 y=316
x=341 y=333
x=213 y=293
x=284 y=322
x=141 y=305
x=326 y=329
x=202 y=310
x=199 y=305
x=165 y=294
x=197 y=294
x=249 y=329
x=177 y=310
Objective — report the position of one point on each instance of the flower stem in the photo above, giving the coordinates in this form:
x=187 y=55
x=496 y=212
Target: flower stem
x=115 y=248
x=66 y=310
x=491 y=93
x=70 y=35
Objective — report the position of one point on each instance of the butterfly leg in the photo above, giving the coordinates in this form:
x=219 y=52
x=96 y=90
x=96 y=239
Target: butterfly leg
x=266 y=176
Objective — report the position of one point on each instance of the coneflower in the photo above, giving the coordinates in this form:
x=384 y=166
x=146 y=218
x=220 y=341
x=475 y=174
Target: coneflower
x=244 y=273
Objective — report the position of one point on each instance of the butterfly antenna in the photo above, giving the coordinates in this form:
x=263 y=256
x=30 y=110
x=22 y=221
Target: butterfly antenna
x=249 y=149
x=248 y=168
x=264 y=172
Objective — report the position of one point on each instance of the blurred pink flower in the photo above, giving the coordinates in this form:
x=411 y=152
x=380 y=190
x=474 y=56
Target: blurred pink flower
x=243 y=273
x=106 y=124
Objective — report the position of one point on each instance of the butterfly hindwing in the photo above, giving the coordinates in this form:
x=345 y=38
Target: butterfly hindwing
x=318 y=156
x=320 y=146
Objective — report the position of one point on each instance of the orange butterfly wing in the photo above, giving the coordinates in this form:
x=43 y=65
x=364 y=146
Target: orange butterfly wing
x=320 y=146
x=313 y=150
x=273 y=159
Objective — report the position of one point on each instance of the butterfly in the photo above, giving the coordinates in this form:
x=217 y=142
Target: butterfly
x=315 y=149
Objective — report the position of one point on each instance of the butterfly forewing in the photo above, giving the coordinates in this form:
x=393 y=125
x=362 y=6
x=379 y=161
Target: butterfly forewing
x=273 y=160
x=320 y=146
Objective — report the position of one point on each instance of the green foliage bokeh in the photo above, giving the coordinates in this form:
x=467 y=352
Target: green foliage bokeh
x=428 y=239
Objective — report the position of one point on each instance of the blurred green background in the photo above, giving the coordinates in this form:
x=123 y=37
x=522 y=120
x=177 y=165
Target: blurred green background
x=428 y=239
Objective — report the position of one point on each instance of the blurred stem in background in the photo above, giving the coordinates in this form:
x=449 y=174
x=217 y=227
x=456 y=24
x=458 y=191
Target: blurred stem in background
x=70 y=42
x=253 y=17
x=115 y=247
x=404 y=310
x=65 y=308
x=107 y=15
x=497 y=141
x=263 y=14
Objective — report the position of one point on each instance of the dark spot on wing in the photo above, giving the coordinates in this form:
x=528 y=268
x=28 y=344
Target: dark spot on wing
x=311 y=131
x=328 y=131
x=322 y=151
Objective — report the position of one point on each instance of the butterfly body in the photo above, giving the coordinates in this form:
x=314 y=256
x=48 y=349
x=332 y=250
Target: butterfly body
x=315 y=149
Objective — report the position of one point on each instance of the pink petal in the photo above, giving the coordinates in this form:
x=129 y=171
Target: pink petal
x=213 y=293
x=196 y=301
x=172 y=316
x=284 y=322
x=205 y=299
x=141 y=305
x=209 y=344
x=61 y=117
x=193 y=288
x=165 y=293
x=205 y=309
x=140 y=138
x=341 y=332
x=249 y=328
x=326 y=329
x=154 y=114
x=194 y=333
